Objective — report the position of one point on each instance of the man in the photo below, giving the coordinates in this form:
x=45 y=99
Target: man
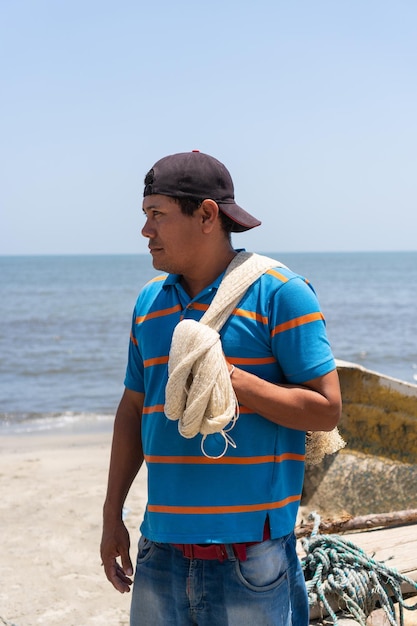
x=217 y=544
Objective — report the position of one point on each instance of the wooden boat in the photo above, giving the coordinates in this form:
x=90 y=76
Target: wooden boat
x=375 y=474
x=377 y=470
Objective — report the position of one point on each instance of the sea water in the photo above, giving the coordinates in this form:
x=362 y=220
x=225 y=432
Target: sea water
x=65 y=324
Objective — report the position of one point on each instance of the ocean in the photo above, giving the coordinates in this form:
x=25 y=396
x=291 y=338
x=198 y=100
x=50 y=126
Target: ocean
x=65 y=323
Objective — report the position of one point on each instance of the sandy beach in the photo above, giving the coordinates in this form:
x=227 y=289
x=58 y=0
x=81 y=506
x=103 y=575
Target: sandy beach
x=52 y=492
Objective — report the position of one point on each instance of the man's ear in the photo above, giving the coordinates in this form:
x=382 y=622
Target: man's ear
x=209 y=211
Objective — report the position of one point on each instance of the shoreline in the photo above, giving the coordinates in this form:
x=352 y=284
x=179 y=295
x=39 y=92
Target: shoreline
x=46 y=425
x=52 y=491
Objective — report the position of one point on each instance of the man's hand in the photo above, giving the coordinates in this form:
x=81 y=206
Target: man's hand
x=115 y=543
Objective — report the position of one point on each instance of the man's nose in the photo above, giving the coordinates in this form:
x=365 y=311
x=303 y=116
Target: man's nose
x=147 y=231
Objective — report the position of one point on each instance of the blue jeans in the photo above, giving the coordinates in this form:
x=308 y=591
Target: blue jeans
x=267 y=589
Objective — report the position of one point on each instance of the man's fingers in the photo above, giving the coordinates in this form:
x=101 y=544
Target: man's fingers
x=118 y=577
x=115 y=545
x=127 y=564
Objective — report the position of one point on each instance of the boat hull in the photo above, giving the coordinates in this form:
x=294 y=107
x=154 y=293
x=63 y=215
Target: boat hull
x=377 y=470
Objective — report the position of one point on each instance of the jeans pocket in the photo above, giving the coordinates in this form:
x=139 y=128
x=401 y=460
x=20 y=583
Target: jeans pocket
x=266 y=565
x=146 y=548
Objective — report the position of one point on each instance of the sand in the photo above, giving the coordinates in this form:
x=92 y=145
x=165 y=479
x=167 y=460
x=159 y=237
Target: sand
x=52 y=489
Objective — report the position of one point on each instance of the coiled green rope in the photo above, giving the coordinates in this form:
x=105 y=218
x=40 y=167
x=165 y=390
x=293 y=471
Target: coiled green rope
x=335 y=566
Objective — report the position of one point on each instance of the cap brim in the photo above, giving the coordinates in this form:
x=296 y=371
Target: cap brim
x=242 y=219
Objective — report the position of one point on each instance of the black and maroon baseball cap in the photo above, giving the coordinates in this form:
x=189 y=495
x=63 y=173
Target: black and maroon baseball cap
x=198 y=175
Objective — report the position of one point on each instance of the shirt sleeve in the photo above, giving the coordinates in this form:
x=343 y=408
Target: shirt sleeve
x=134 y=378
x=299 y=339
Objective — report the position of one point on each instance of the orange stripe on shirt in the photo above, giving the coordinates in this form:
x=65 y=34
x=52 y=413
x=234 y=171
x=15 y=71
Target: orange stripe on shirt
x=297 y=321
x=156 y=314
x=159 y=360
x=202 y=460
x=156 y=408
x=198 y=306
x=251 y=361
x=252 y=315
x=207 y=510
x=281 y=277
x=133 y=339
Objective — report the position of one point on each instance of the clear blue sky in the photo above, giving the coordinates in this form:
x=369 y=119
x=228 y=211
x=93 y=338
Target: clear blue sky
x=311 y=104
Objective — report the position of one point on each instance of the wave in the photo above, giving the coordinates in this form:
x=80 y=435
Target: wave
x=68 y=421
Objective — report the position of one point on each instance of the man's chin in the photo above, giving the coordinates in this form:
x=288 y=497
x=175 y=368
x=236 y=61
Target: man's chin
x=159 y=265
x=156 y=260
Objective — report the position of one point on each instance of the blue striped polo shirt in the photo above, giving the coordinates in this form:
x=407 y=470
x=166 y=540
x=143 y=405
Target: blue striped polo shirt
x=277 y=332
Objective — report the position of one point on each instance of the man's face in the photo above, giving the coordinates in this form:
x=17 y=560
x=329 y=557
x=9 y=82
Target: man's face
x=173 y=236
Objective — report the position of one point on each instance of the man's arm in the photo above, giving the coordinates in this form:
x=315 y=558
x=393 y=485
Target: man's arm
x=315 y=405
x=125 y=462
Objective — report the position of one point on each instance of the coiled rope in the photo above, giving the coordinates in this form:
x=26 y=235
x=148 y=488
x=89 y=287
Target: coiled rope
x=199 y=393
x=336 y=566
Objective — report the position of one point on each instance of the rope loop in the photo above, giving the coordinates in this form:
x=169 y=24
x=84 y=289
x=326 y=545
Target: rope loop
x=228 y=441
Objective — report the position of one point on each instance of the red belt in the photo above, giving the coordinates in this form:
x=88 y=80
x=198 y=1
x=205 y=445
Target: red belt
x=218 y=551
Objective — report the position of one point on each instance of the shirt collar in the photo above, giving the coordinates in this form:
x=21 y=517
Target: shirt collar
x=173 y=280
